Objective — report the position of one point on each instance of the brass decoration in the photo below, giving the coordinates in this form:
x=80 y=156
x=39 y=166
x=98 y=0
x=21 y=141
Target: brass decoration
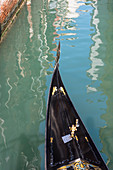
x=76 y=138
x=54 y=90
x=62 y=90
x=51 y=139
x=79 y=165
x=74 y=128
x=77 y=125
x=86 y=139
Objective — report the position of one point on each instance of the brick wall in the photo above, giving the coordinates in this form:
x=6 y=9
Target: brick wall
x=6 y=7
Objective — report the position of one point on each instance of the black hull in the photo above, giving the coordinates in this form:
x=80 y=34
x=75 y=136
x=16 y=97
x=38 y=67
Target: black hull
x=67 y=140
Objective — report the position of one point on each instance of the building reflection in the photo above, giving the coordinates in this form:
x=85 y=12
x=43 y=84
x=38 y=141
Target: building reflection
x=22 y=89
x=23 y=80
x=66 y=13
x=106 y=52
x=101 y=71
x=30 y=19
x=96 y=61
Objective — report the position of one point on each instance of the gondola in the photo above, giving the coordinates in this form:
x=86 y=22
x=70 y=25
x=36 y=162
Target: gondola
x=68 y=145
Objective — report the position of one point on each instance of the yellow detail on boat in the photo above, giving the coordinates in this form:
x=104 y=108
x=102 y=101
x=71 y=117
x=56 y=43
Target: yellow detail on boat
x=54 y=90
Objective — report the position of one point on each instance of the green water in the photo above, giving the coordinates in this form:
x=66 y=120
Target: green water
x=27 y=53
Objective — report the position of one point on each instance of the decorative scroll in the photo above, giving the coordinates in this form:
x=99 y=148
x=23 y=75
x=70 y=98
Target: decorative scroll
x=79 y=165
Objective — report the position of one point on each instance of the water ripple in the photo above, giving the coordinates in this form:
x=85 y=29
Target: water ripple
x=9 y=92
x=2 y=131
x=19 y=63
x=96 y=62
x=66 y=14
x=32 y=163
x=32 y=85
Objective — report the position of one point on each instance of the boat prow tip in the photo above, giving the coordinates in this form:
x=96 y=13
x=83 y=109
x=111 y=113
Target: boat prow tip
x=58 y=53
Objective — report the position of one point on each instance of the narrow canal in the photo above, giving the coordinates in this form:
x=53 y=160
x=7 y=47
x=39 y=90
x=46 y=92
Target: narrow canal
x=27 y=53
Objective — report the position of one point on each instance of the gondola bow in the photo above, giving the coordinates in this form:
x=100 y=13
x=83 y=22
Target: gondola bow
x=68 y=144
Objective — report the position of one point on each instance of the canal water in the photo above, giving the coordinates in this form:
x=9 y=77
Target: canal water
x=27 y=57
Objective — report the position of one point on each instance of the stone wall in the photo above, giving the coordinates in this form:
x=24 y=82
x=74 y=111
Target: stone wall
x=8 y=8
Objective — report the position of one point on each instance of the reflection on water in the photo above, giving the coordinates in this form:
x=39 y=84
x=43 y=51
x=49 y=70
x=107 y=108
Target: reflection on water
x=26 y=68
x=19 y=64
x=66 y=13
x=23 y=68
x=2 y=131
x=30 y=19
x=76 y=24
x=106 y=52
x=96 y=62
x=72 y=8
x=9 y=92
x=97 y=66
x=101 y=73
